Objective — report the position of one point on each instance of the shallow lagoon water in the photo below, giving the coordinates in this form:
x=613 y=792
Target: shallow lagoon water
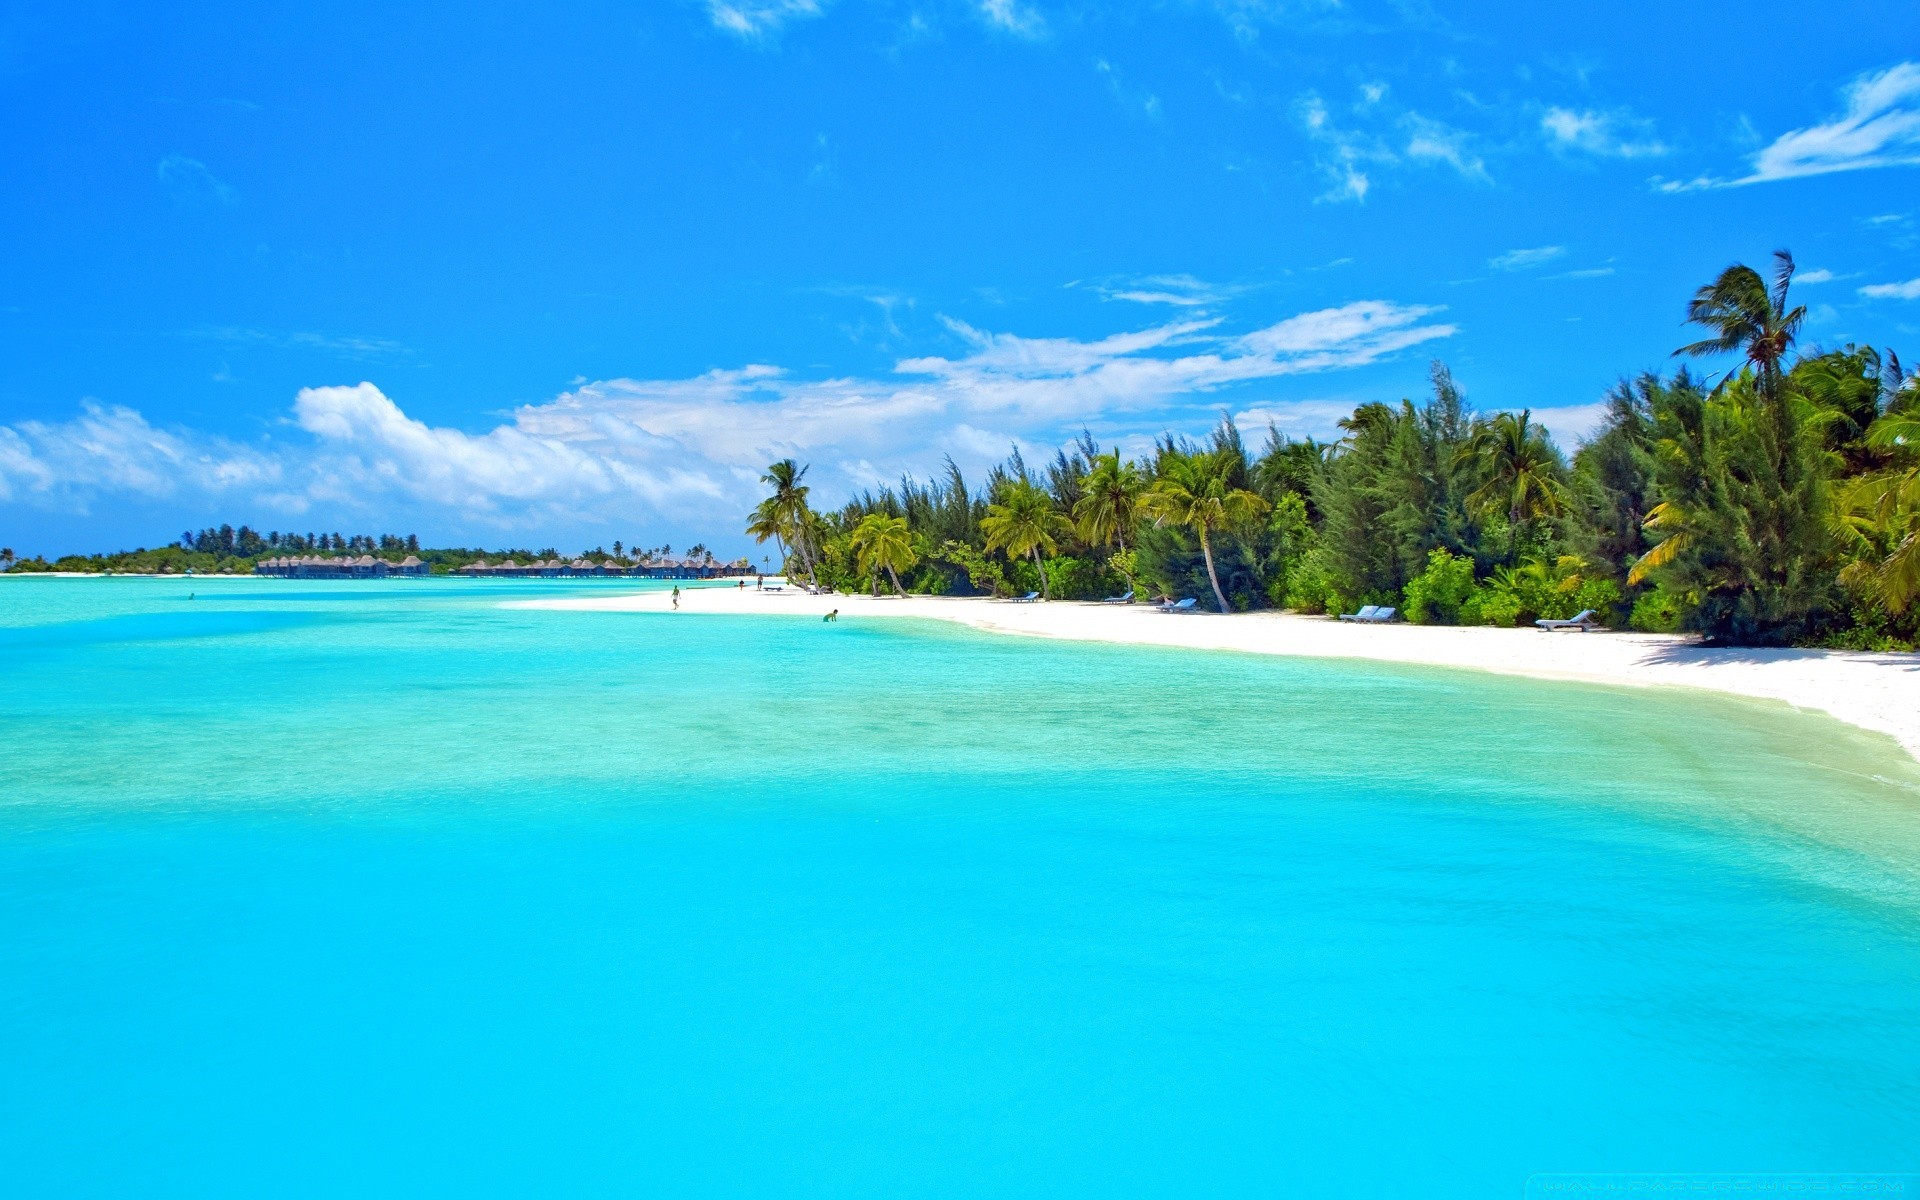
x=383 y=889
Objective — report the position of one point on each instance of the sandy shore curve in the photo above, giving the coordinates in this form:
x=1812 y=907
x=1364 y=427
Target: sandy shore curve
x=1879 y=692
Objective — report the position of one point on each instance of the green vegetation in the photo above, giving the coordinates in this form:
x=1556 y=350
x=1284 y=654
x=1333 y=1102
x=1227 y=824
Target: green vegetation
x=1779 y=504
x=231 y=550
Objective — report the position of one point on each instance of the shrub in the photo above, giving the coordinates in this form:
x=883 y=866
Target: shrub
x=1309 y=584
x=1437 y=594
x=1659 y=610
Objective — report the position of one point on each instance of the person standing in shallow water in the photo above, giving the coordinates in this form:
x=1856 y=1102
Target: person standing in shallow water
x=676 y=597
x=832 y=616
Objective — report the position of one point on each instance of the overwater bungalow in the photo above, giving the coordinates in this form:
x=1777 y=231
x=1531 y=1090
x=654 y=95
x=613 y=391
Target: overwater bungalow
x=586 y=568
x=365 y=566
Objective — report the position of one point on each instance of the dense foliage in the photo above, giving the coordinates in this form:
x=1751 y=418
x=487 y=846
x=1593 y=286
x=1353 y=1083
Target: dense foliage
x=1780 y=504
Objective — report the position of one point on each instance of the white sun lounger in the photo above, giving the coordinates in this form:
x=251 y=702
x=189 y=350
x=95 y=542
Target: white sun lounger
x=1584 y=623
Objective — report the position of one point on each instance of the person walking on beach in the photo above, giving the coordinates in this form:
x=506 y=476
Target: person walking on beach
x=676 y=597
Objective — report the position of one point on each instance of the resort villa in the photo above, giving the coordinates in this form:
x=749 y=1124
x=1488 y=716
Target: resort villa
x=366 y=566
x=580 y=568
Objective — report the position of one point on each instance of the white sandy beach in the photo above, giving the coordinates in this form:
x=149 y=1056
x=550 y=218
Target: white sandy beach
x=1880 y=692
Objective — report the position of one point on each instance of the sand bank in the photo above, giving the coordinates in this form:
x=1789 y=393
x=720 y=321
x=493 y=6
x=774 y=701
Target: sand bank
x=1880 y=692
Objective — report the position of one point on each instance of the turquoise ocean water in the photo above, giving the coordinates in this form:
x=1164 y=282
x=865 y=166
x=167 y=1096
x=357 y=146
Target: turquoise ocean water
x=385 y=890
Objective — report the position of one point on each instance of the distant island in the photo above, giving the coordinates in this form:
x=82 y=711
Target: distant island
x=228 y=550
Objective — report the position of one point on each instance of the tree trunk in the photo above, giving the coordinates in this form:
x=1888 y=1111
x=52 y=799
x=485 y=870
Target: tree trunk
x=1042 y=568
x=806 y=557
x=1213 y=577
x=891 y=574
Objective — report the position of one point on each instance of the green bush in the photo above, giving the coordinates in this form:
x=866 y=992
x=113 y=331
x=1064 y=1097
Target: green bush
x=1309 y=585
x=1659 y=610
x=1437 y=594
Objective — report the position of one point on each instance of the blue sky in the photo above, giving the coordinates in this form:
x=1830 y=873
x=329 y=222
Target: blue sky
x=561 y=274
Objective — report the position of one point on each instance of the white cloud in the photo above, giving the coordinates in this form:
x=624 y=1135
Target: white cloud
x=1880 y=128
x=1429 y=140
x=1381 y=138
x=191 y=184
x=1609 y=135
x=753 y=19
x=1144 y=101
x=693 y=448
x=1522 y=260
x=1181 y=291
x=1012 y=17
x=1822 y=275
x=1571 y=424
x=1910 y=290
x=112 y=449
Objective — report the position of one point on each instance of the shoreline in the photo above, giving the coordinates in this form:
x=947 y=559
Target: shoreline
x=1876 y=692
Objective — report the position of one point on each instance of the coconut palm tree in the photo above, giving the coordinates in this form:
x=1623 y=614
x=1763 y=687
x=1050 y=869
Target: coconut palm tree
x=765 y=523
x=880 y=541
x=1523 y=478
x=1109 y=494
x=1195 y=491
x=789 y=508
x=1025 y=523
x=1748 y=316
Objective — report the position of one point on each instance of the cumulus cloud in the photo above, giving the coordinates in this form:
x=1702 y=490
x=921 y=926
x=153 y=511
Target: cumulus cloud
x=111 y=449
x=1880 y=128
x=693 y=448
x=1910 y=290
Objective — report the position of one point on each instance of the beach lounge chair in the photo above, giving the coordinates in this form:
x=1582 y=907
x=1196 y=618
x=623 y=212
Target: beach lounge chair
x=1029 y=598
x=1185 y=605
x=1584 y=623
x=1126 y=599
x=1379 y=616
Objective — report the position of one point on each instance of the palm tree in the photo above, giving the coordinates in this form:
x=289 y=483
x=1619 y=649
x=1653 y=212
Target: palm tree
x=1195 y=491
x=1881 y=515
x=1746 y=315
x=1109 y=494
x=1522 y=473
x=1025 y=523
x=788 y=509
x=766 y=523
x=880 y=541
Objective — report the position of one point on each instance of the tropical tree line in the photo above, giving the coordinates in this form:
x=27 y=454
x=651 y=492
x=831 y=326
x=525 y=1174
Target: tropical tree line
x=1776 y=502
x=234 y=551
